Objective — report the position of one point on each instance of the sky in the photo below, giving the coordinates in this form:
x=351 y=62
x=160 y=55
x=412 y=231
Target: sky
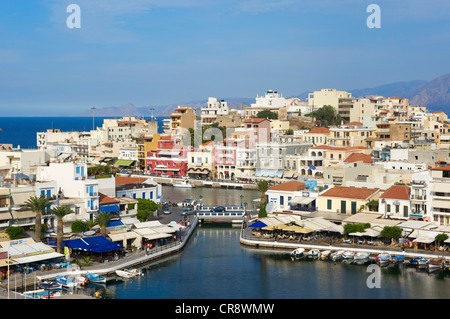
x=150 y=53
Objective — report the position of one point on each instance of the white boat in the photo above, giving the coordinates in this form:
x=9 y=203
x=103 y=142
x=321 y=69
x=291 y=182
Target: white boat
x=435 y=263
x=183 y=184
x=423 y=262
x=129 y=273
x=384 y=258
x=337 y=255
x=95 y=278
x=324 y=255
x=361 y=255
x=66 y=281
x=313 y=253
x=348 y=254
x=297 y=252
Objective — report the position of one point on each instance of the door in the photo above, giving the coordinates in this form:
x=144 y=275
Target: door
x=343 y=208
x=353 y=207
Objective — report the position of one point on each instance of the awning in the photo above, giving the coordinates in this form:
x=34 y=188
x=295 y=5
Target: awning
x=299 y=200
x=269 y=173
x=441 y=203
x=123 y=163
x=120 y=236
x=5 y=216
x=23 y=214
x=96 y=244
x=258 y=225
x=34 y=258
x=440 y=188
x=156 y=236
x=110 y=209
x=21 y=198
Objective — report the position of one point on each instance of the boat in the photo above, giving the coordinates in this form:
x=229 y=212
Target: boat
x=348 y=254
x=337 y=255
x=66 y=281
x=313 y=253
x=324 y=255
x=414 y=261
x=129 y=273
x=423 y=262
x=95 y=278
x=183 y=184
x=361 y=255
x=435 y=263
x=384 y=259
x=296 y=253
x=398 y=259
x=48 y=285
x=80 y=280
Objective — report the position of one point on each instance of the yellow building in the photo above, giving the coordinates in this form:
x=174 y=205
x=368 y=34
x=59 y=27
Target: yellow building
x=317 y=136
x=346 y=200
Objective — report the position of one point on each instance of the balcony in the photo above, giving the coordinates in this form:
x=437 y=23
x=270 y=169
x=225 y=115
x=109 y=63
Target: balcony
x=418 y=183
x=418 y=197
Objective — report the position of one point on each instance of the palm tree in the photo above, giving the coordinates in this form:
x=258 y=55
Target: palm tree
x=263 y=186
x=102 y=220
x=60 y=212
x=37 y=205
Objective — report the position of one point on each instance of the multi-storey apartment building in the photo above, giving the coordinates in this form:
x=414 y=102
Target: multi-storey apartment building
x=341 y=101
x=351 y=134
x=214 y=107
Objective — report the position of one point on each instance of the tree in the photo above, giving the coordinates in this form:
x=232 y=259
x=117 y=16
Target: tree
x=267 y=114
x=392 y=232
x=440 y=238
x=327 y=116
x=15 y=232
x=355 y=228
x=60 y=212
x=79 y=226
x=289 y=132
x=145 y=208
x=102 y=220
x=263 y=186
x=37 y=205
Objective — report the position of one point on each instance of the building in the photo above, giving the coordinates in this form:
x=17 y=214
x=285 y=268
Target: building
x=135 y=188
x=182 y=119
x=395 y=202
x=272 y=101
x=440 y=194
x=201 y=161
x=213 y=108
x=350 y=135
x=346 y=200
x=292 y=195
x=317 y=136
x=341 y=101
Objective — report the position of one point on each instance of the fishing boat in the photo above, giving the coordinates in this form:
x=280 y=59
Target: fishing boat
x=95 y=278
x=128 y=273
x=296 y=253
x=183 y=184
x=66 y=281
x=313 y=253
x=435 y=263
x=48 y=285
x=347 y=255
x=361 y=255
x=397 y=259
x=337 y=255
x=384 y=259
x=423 y=263
x=414 y=261
x=324 y=255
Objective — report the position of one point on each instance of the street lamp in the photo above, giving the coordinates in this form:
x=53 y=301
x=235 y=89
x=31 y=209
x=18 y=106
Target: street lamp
x=242 y=196
x=93 y=111
x=152 y=109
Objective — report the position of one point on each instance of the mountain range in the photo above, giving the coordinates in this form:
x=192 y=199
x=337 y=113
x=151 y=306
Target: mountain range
x=434 y=94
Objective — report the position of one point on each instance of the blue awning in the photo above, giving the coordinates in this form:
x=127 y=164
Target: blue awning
x=258 y=225
x=97 y=244
x=110 y=209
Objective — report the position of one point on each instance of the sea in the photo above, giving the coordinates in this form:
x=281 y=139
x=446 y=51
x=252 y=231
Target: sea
x=214 y=265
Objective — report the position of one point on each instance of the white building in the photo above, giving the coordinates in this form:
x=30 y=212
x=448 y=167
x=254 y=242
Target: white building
x=213 y=108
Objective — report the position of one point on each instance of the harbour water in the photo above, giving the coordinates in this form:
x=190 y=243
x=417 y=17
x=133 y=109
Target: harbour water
x=215 y=266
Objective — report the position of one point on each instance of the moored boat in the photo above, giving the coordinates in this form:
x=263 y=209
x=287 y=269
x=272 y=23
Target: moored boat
x=129 y=273
x=423 y=262
x=384 y=259
x=398 y=259
x=313 y=253
x=435 y=263
x=337 y=255
x=48 y=285
x=361 y=255
x=324 y=255
x=95 y=278
x=66 y=281
x=183 y=184
x=296 y=253
x=348 y=255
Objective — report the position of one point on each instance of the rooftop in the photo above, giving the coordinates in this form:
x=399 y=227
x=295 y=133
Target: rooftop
x=397 y=192
x=319 y=130
x=290 y=186
x=357 y=157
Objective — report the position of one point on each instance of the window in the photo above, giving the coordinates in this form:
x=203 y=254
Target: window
x=388 y=208
x=405 y=211
x=329 y=204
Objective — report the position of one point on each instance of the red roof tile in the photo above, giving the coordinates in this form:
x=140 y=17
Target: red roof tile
x=397 y=192
x=357 y=157
x=103 y=199
x=122 y=180
x=319 y=130
x=291 y=186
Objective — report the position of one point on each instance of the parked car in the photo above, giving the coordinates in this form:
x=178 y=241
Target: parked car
x=187 y=211
x=219 y=209
x=166 y=210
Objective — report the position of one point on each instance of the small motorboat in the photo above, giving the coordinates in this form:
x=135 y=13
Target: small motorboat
x=384 y=259
x=48 y=285
x=397 y=259
x=337 y=255
x=361 y=255
x=435 y=263
x=129 y=273
x=423 y=263
x=313 y=253
x=183 y=184
x=414 y=261
x=95 y=278
x=324 y=255
x=348 y=255
x=66 y=281
x=296 y=253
